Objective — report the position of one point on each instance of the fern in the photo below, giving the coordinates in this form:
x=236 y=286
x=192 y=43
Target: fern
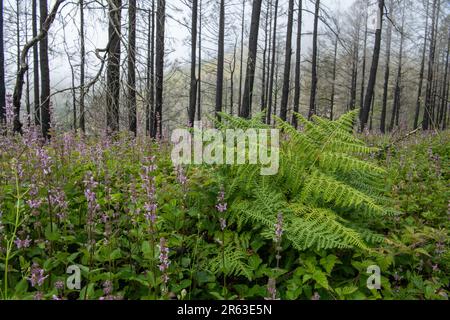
x=324 y=188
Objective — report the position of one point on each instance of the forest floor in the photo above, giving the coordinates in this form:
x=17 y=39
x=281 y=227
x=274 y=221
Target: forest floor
x=126 y=224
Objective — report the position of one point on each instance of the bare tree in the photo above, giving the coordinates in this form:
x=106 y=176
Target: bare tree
x=287 y=62
x=159 y=71
x=373 y=68
x=193 y=88
x=220 y=59
x=245 y=112
x=113 y=67
x=2 y=70
x=312 y=99
x=132 y=114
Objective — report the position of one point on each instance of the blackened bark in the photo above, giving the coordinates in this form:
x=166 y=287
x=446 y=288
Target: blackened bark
x=428 y=99
x=297 y=65
x=312 y=98
x=272 y=66
x=132 y=116
x=113 y=68
x=386 y=72
x=193 y=87
x=2 y=71
x=251 y=61
x=37 y=104
x=333 y=84
x=287 y=63
x=374 y=67
x=159 y=69
x=422 y=70
x=220 y=59
x=82 y=68
x=45 y=78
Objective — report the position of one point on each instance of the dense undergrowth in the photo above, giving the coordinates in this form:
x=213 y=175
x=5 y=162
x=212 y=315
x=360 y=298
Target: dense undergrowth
x=139 y=228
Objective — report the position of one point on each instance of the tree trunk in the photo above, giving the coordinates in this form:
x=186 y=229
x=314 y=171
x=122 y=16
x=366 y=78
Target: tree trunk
x=287 y=63
x=199 y=86
x=113 y=69
x=422 y=70
x=132 y=114
x=193 y=87
x=272 y=67
x=398 y=81
x=333 y=85
x=374 y=67
x=266 y=35
x=220 y=58
x=297 y=65
x=430 y=76
x=2 y=71
x=354 y=78
x=445 y=89
x=37 y=104
x=152 y=76
x=45 y=77
x=82 y=68
x=160 y=24
x=312 y=98
x=241 y=65
x=364 y=61
x=251 y=61
x=386 y=72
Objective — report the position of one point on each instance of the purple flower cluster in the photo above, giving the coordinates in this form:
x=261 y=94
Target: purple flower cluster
x=279 y=228
x=22 y=244
x=45 y=161
x=91 y=197
x=164 y=259
x=148 y=184
x=271 y=289
x=221 y=206
x=37 y=277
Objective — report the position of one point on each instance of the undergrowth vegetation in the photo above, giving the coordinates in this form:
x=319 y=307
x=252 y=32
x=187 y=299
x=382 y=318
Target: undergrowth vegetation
x=136 y=227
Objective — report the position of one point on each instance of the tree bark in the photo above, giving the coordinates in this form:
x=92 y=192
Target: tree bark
x=333 y=84
x=272 y=66
x=251 y=61
x=428 y=98
x=82 y=68
x=386 y=72
x=193 y=87
x=159 y=71
x=132 y=114
x=113 y=68
x=312 y=98
x=297 y=65
x=241 y=65
x=45 y=79
x=287 y=62
x=373 y=68
x=2 y=71
x=398 y=81
x=422 y=70
x=220 y=59
x=37 y=104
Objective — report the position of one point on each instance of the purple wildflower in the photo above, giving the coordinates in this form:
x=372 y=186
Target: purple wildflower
x=164 y=259
x=271 y=289
x=21 y=244
x=59 y=285
x=279 y=228
x=107 y=287
x=37 y=276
